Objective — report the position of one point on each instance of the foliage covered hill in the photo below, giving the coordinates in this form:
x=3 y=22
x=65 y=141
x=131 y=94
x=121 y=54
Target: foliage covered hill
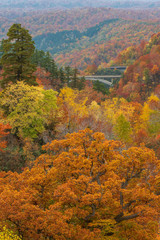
x=143 y=73
x=85 y=36
x=106 y=43
x=51 y=21
x=70 y=39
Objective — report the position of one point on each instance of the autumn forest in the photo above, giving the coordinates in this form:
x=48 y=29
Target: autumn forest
x=79 y=157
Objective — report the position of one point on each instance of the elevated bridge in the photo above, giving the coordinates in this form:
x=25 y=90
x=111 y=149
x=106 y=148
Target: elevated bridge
x=103 y=78
x=107 y=79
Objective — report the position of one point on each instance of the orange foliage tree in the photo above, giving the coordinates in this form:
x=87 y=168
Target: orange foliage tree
x=84 y=187
x=3 y=133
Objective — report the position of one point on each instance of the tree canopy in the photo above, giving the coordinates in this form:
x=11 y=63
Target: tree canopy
x=16 y=58
x=84 y=187
x=27 y=108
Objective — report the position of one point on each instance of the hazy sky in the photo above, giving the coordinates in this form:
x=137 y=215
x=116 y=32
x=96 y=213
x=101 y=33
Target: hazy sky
x=76 y=3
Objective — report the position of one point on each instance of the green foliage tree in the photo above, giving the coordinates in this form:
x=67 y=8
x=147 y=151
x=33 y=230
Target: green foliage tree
x=146 y=77
x=81 y=83
x=68 y=73
x=16 y=60
x=38 y=58
x=27 y=108
x=54 y=70
x=74 y=79
x=123 y=129
x=1 y=48
x=62 y=76
x=100 y=87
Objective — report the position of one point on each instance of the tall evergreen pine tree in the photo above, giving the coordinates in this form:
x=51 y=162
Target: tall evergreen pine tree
x=16 y=59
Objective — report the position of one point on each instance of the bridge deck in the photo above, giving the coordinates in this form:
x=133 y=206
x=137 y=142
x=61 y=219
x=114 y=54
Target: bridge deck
x=101 y=78
x=104 y=76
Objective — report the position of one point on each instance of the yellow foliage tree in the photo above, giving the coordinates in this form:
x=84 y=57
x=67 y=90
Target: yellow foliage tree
x=27 y=108
x=6 y=234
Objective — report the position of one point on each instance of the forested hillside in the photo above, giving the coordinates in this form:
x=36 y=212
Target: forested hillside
x=70 y=39
x=79 y=160
x=104 y=45
x=85 y=36
x=142 y=75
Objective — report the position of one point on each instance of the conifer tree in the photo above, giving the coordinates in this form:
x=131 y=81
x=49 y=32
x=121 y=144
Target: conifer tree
x=54 y=72
x=62 y=76
x=74 y=80
x=68 y=73
x=16 y=60
x=1 y=48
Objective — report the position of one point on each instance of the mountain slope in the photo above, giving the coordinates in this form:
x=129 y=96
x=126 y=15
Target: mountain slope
x=142 y=77
x=104 y=46
x=80 y=37
x=69 y=39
